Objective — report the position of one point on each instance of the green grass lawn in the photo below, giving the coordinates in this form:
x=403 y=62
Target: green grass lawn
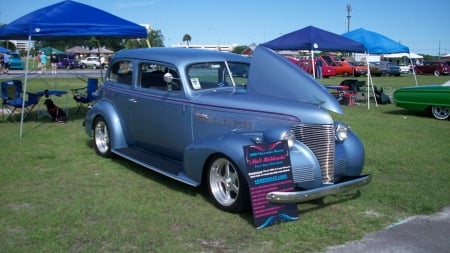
x=57 y=195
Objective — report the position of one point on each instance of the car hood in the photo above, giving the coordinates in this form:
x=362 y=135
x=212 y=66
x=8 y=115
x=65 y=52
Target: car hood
x=239 y=99
x=273 y=75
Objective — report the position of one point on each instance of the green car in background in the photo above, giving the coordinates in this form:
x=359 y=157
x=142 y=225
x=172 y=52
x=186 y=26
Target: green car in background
x=434 y=98
x=15 y=62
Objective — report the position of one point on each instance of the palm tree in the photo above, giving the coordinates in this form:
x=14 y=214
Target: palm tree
x=187 y=38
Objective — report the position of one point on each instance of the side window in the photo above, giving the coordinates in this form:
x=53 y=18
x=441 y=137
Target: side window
x=121 y=72
x=215 y=75
x=151 y=76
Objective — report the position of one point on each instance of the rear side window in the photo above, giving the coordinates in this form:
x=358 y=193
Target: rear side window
x=151 y=76
x=121 y=72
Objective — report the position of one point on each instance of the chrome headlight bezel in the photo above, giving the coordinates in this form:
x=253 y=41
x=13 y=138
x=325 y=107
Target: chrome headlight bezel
x=341 y=131
x=288 y=136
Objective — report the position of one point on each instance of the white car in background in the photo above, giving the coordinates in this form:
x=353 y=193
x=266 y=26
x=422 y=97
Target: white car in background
x=404 y=68
x=90 y=62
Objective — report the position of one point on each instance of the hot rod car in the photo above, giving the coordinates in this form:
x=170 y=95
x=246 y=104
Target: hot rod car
x=187 y=114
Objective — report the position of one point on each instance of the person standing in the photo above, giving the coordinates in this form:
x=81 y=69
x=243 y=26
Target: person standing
x=39 y=64
x=319 y=68
x=44 y=63
x=54 y=62
x=2 y=57
x=6 y=63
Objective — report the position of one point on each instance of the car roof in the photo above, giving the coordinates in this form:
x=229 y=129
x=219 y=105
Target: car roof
x=179 y=56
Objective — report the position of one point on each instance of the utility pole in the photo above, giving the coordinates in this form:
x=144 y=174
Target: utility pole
x=349 y=9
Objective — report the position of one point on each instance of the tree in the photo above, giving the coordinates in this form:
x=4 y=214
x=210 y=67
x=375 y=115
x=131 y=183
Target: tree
x=156 y=38
x=238 y=49
x=187 y=38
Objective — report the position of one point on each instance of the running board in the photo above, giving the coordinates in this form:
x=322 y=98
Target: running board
x=162 y=165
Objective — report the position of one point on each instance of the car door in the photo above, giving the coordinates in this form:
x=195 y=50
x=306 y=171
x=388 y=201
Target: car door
x=160 y=115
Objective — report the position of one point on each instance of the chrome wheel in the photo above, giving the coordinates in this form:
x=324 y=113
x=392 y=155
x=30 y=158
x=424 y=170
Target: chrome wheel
x=436 y=73
x=101 y=138
x=226 y=185
x=440 y=112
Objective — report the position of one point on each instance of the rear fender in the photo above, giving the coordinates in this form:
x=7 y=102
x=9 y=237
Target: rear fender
x=107 y=111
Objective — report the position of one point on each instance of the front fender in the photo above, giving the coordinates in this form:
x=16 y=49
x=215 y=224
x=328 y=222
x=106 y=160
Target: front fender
x=305 y=167
x=197 y=154
x=107 y=111
x=352 y=152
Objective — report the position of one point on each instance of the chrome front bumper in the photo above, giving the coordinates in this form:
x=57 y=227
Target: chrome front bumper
x=327 y=190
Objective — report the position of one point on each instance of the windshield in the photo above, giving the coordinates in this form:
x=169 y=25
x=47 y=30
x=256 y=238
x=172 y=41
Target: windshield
x=213 y=75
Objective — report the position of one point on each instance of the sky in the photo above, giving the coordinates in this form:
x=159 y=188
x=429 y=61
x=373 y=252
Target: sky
x=420 y=25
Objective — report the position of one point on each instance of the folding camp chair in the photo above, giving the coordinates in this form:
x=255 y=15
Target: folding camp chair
x=12 y=99
x=86 y=95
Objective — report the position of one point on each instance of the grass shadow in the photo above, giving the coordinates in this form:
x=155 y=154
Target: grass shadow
x=405 y=112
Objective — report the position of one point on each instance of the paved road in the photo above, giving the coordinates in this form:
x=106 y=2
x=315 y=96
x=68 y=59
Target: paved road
x=60 y=73
x=418 y=234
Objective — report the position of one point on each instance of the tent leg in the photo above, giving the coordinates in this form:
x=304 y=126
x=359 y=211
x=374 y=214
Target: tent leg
x=25 y=87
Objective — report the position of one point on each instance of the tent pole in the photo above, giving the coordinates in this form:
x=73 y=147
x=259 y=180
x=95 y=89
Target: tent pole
x=313 y=64
x=25 y=86
x=369 y=84
x=99 y=57
x=413 y=70
x=368 y=81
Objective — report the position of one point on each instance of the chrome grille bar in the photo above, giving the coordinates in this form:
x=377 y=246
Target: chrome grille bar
x=320 y=139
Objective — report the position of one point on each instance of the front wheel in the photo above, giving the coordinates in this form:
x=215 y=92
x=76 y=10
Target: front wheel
x=437 y=73
x=102 y=139
x=440 y=112
x=226 y=185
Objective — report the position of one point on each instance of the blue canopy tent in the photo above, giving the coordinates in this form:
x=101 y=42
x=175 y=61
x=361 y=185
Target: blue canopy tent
x=62 y=20
x=376 y=43
x=312 y=38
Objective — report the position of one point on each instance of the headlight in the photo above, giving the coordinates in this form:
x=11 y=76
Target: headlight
x=289 y=136
x=341 y=132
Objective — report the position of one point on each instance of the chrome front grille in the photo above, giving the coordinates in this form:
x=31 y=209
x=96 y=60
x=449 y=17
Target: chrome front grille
x=320 y=139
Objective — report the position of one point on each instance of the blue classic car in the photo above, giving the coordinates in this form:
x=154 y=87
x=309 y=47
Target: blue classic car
x=15 y=62
x=188 y=113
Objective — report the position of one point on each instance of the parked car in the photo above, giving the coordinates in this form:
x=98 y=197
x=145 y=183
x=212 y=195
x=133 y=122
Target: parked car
x=67 y=61
x=15 y=62
x=306 y=65
x=405 y=68
x=385 y=68
x=433 y=98
x=436 y=68
x=90 y=62
x=346 y=68
x=182 y=113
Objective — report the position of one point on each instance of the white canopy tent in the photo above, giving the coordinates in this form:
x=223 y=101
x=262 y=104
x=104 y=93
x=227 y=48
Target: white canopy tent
x=400 y=55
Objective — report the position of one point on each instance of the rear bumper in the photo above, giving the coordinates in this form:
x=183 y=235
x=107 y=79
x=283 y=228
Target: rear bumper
x=332 y=189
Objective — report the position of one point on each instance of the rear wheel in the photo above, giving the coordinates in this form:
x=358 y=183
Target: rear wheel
x=440 y=112
x=102 y=138
x=226 y=185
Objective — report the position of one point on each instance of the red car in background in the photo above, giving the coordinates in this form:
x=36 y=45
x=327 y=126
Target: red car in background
x=436 y=68
x=346 y=68
x=306 y=65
